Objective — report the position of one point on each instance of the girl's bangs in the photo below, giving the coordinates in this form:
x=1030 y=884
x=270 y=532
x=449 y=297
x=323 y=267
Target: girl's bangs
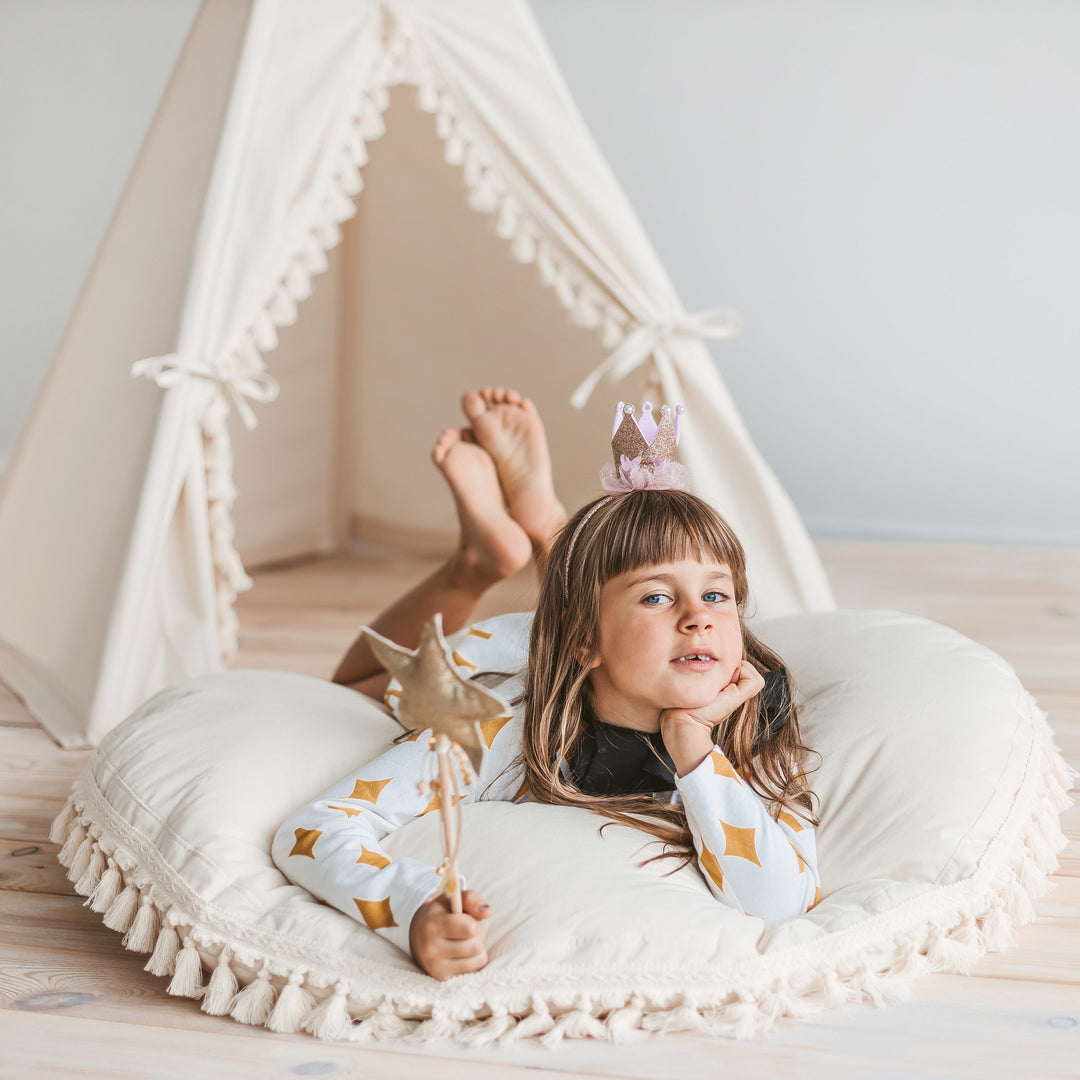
x=649 y=527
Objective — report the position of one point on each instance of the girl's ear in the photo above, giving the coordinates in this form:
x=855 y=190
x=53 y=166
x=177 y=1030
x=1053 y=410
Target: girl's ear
x=586 y=661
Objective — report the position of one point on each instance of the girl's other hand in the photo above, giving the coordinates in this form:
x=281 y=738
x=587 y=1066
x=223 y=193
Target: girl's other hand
x=445 y=944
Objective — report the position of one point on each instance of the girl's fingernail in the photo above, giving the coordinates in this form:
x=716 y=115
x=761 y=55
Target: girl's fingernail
x=485 y=907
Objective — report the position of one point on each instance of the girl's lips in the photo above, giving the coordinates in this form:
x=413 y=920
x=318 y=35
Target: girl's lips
x=702 y=661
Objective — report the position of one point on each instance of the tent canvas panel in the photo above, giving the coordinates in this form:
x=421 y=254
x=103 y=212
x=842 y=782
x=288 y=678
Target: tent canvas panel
x=404 y=315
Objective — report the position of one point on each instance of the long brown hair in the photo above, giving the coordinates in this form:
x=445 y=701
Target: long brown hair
x=610 y=537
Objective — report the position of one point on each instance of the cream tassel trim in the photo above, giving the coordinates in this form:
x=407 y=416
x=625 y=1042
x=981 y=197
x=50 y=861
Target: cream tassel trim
x=121 y=911
x=163 y=960
x=107 y=889
x=222 y=987
x=61 y=825
x=144 y=930
x=294 y=1005
x=187 y=976
x=330 y=1019
x=80 y=863
x=982 y=918
x=255 y=1002
x=90 y=880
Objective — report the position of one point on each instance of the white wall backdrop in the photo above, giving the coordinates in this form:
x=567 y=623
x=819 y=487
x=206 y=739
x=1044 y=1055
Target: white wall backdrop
x=885 y=188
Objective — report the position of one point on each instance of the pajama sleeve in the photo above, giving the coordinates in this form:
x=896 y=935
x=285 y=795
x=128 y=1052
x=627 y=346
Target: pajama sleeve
x=333 y=845
x=759 y=865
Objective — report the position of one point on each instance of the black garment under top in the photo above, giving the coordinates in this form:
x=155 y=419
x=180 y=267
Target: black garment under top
x=613 y=760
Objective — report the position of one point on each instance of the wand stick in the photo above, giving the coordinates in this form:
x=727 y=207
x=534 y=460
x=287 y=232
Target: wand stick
x=448 y=813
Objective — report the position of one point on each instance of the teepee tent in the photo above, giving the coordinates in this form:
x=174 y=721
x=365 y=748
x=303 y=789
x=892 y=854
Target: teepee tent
x=345 y=207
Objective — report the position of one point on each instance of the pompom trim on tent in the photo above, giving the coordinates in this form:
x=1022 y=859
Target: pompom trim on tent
x=490 y=182
x=261 y=977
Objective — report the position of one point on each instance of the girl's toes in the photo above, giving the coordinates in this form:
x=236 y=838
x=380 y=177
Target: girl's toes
x=443 y=444
x=473 y=405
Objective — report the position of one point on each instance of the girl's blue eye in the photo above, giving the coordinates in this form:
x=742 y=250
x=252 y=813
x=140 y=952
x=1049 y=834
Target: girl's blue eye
x=654 y=599
x=714 y=597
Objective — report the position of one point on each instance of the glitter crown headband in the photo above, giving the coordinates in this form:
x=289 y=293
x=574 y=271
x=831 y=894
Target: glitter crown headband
x=644 y=453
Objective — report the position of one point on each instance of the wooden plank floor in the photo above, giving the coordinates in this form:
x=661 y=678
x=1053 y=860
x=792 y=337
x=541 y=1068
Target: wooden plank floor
x=73 y=1002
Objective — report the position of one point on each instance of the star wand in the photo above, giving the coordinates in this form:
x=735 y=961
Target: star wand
x=435 y=696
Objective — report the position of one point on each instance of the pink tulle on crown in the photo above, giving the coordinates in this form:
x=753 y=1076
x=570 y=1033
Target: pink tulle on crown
x=644 y=451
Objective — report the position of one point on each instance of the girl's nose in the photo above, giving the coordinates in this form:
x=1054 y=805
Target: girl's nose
x=696 y=618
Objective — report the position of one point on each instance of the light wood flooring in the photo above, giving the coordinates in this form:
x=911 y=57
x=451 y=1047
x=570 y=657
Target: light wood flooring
x=73 y=1002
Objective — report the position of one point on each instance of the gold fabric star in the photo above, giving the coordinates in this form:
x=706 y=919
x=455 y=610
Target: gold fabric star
x=739 y=841
x=490 y=728
x=348 y=811
x=305 y=841
x=711 y=867
x=790 y=819
x=433 y=693
x=376 y=913
x=368 y=790
x=723 y=767
x=372 y=858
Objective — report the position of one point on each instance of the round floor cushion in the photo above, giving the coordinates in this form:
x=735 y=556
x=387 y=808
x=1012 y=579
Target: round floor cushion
x=940 y=791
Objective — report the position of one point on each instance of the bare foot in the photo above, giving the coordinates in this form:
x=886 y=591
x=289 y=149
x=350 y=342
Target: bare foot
x=493 y=545
x=509 y=428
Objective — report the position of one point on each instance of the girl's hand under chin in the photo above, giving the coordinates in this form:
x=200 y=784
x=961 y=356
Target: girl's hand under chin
x=687 y=733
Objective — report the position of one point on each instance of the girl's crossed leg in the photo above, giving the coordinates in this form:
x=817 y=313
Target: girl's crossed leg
x=499 y=472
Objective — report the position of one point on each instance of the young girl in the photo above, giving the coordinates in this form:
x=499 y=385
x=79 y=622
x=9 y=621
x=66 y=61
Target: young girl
x=640 y=694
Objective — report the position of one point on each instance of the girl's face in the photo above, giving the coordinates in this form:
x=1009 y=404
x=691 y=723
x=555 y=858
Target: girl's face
x=670 y=637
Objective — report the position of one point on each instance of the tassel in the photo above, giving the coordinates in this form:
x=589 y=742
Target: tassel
x=298 y=280
x=62 y=823
x=222 y=987
x=538 y=1022
x=745 y=1019
x=1027 y=874
x=265 y=333
x=255 y=1002
x=143 y=932
x=91 y=877
x=294 y=1005
x=384 y=1023
x=121 y=911
x=997 y=929
x=680 y=1019
x=947 y=955
x=163 y=959
x=330 y=1019
x=487 y=1031
x=81 y=862
x=523 y=246
x=573 y=1025
x=439 y=1027
x=624 y=1025
x=1018 y=904
x=108 y=889
x=187 y=976
x=72 y=844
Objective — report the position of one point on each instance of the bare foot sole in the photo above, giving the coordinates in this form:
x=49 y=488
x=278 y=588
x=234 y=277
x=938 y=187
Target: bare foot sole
x=509 y=428
x=493 y=545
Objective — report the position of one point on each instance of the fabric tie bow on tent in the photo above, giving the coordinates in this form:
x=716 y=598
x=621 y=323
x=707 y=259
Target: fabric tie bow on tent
x=652 y=339
x=170 y=370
